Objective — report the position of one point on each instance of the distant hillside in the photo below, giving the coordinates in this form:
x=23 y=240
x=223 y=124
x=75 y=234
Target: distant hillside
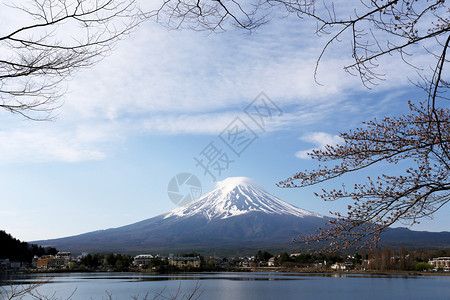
x=398 y=237
x=15 y=250
x=237 y=218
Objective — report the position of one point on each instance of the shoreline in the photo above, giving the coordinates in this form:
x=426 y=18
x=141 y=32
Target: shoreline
x=247 y=270
x=360 y=272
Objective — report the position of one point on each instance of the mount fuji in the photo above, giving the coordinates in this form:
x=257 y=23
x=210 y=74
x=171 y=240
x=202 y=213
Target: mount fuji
x=238 y=217
x=237 y=196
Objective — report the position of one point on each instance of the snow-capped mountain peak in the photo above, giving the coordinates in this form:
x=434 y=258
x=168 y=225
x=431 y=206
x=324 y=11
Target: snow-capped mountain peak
x=230 y=183
x=236 y=196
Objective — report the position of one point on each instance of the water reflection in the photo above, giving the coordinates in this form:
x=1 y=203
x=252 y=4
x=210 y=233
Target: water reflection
x=138 y=277
x=240 y=285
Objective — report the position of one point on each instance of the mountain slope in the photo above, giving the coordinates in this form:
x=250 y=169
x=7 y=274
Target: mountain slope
x=238 y=217
x=238 y=214
x=236 y=196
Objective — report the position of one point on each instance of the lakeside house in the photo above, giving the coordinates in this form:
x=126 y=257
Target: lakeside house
x=185 y=262
x=339 y=266
x=6 y=264
x=440 y=262
x=58 y=261
x=142 y=260
x=43 y=262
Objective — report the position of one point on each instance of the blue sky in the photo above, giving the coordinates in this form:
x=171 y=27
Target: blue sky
x=140 y=116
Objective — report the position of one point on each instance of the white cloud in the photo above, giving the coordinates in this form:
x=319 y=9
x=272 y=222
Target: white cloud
x=42 y=142
x=184 y=82
x=320 y=139
x=213 y=123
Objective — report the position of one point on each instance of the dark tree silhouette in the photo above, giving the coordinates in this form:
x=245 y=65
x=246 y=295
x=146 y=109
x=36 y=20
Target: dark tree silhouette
x=16 y=250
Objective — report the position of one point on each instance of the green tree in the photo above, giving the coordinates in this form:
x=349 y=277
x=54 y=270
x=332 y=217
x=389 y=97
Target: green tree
x=112 y=259
x=423 y=266
x=71 y=265
x=15 y=249
x=357 y=259
x=263 y=255
x=305 y=258
x=284 y=258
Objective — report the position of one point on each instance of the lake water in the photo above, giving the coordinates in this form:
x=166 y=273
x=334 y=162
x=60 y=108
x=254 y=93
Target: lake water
x=240 y=285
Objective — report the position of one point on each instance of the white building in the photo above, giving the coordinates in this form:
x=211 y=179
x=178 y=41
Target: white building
x=184 y=262
x=440 y=262
x=142 y=260
x=341 y=266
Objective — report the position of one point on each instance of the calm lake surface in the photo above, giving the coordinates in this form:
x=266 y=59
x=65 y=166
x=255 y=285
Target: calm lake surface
x=240 y=285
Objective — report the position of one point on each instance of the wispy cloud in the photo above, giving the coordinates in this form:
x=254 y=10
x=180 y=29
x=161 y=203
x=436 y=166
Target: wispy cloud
x=320 y=139
x=183 y=82
x=35 y=143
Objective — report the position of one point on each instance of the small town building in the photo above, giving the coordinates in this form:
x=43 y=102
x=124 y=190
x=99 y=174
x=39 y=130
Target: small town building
x=43 y=261
x=16 y=265
x=185 y=262
x=60 y=260
x=5 y=264
x=341 y=266
x=440 y=262
x=142 y=260
x=34 y=262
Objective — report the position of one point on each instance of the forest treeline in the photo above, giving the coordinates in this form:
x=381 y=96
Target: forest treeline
x=16 y=250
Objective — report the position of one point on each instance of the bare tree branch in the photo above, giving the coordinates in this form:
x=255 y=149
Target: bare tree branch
x=63 y=37
x=375 y=29
x=420 y=139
